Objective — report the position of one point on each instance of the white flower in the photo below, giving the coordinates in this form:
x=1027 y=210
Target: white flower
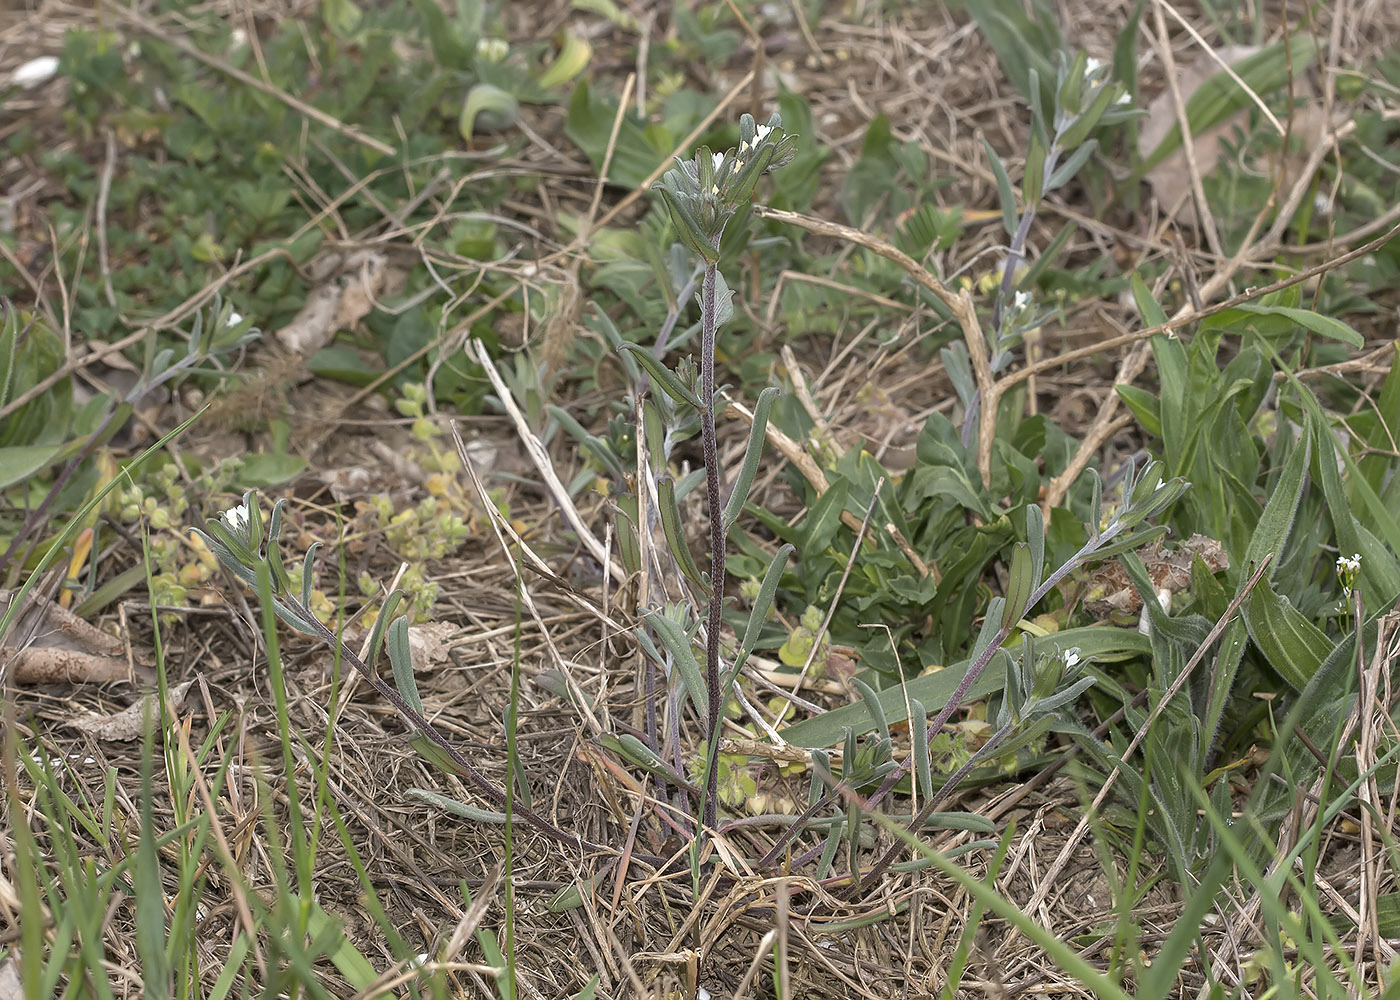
x=35 y=72
x=1159 y=485
x=235 y=518
x=1092 y=67
x=492 y=50
x=1021 y=301
x=1352 y=565
x=234 y=318
x=719 y=160
x=1072 y=656
x=1124 y=98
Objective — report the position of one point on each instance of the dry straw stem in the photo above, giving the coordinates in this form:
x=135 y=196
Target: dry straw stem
x=557 y=491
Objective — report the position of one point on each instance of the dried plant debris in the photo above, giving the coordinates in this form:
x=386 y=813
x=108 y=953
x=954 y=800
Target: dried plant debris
x=50 y=645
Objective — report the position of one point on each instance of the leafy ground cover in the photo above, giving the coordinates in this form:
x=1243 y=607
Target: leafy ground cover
x=380 y=383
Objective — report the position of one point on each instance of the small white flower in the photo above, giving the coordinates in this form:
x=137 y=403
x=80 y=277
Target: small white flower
x=235 y=518
x=1159 y=485
x=492 y=49
x=1072 y=656
x=1021 y=301
x=40 y=70
x=719 y=160
x=1092 y=67
x=234 y=318
x=1124 y=98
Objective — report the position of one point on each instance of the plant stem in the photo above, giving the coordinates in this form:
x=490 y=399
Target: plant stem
x=708 y=310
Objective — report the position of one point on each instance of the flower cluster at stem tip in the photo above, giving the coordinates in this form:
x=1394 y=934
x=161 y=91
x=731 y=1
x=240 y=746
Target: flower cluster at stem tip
x=703 y=193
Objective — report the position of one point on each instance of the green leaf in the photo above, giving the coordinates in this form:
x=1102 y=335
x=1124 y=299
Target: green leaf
x=1323 y=326
x=20 y=462
x=401 y=657
x=1020 y=583
x=872 y=705
x=1101 y=642
x=918 y=737
x=573 y=58
x=675 y=534
x=1152 y=313
x=767 y=590
x=753 y=452
x=1033 y=179
x=1293 y=645
x=1277 y=520
x=665 y=378
x=497 y=110
x=824 y=518
x=676 y=642
x=1009 y=214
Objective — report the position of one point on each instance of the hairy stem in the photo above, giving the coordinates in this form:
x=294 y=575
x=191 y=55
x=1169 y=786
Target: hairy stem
x=708 y=309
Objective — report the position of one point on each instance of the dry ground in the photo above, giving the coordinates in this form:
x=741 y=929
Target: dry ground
x=933 y=75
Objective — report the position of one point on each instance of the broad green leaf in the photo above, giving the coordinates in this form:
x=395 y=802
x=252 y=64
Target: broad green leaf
x=1020 y=582
x=20 y=462
x=1293 y=645
x=824 y=518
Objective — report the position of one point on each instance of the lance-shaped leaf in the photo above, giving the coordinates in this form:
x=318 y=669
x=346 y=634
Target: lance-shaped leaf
x=675 y=534
x=872 y=703
x=634 y=751
x=1294 y=646
x=1004 y=195
x=1035 y=541
x=308 y=574
x=272 y=551
x=753 y=453
x=1020 y=583
x=1276 y=521
x=918 y=736
x=1065 y=172
x=381 y=622
x=688 y=227
x=1071 y=94
x=1032 y=181
x=767 y=590
x=401 y=658
x=664 y=377
x=676 y=642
